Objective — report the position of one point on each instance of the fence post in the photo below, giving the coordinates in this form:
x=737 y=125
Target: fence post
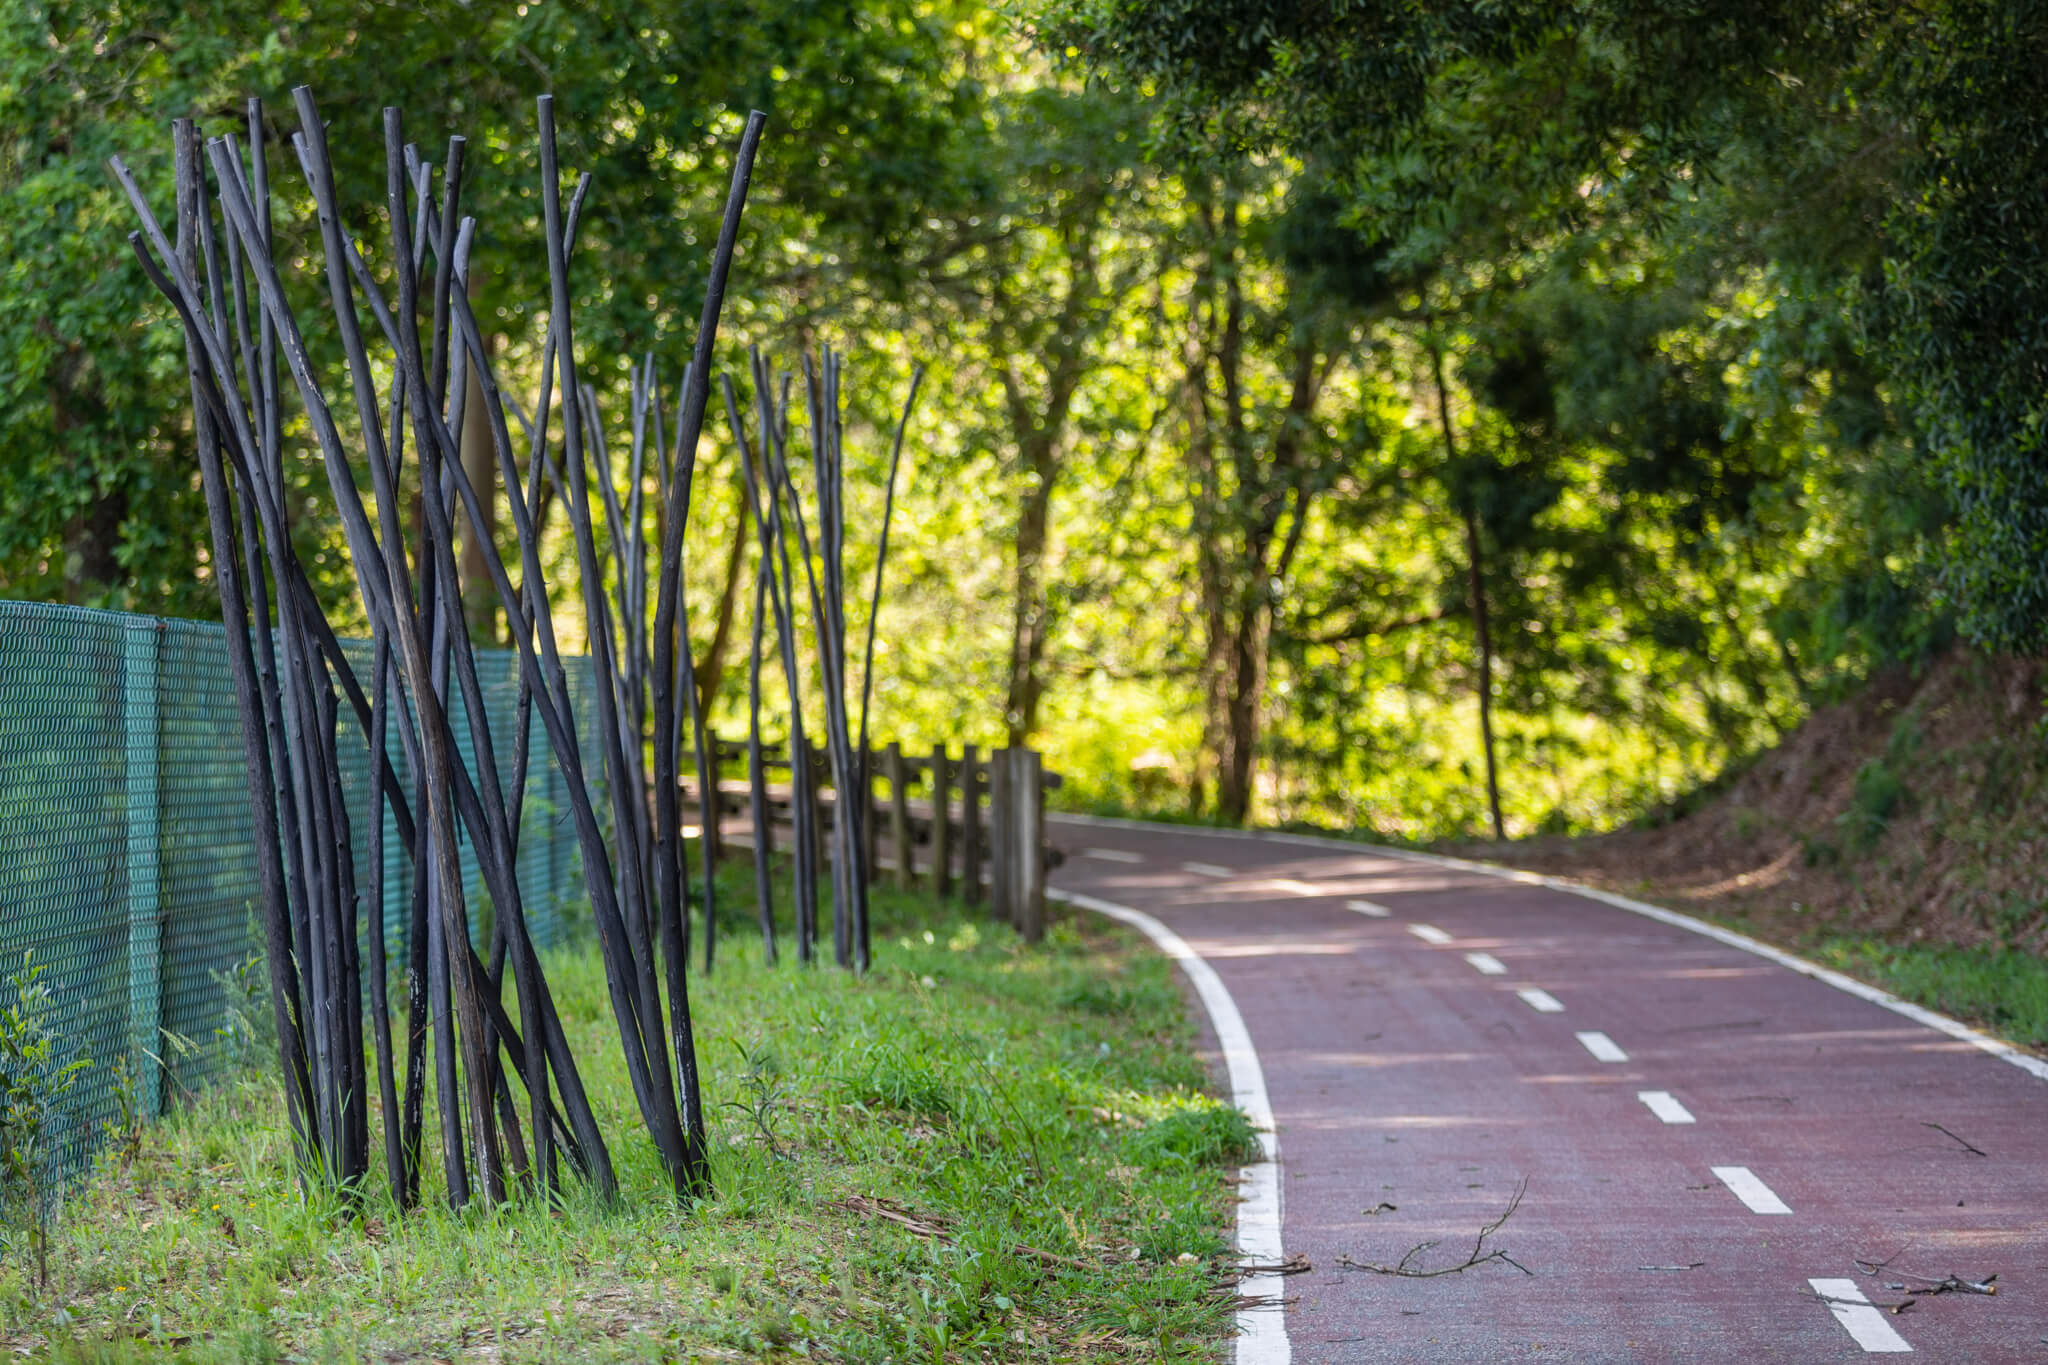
x=143 y=724
x=899 y=816
x=970 y=824
x=942 y=822
x=1027 y=803
x=711 y=808
x=871 y=813
x=814 y=798
x=1002 y=903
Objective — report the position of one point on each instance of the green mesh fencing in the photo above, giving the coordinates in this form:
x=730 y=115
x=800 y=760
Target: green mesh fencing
x=126 y=857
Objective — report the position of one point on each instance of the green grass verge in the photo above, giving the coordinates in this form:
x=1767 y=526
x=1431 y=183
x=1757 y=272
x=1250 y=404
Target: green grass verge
x=2001 y=990
x=1037 y=1113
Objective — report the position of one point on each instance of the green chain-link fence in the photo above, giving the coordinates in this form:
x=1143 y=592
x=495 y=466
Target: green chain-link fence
x=126 y=858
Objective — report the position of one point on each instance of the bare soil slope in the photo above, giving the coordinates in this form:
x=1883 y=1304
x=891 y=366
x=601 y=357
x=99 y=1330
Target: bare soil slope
x=1915 y=811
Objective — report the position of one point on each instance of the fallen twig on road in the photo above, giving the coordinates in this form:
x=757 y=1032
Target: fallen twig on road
x=1902 y=1306
x=1693 y=1265
x=1967 y=1145
x=1870 y=1267
x=1954 y=1284
x=1297 y=1264
x=1950 y=1283
x=1479 y=1255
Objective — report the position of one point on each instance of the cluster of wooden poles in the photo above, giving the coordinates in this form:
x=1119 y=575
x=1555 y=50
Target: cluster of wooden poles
x=977 y=825
x=219 y=271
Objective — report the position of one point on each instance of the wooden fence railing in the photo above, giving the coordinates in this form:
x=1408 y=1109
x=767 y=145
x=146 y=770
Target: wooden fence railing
x=988 y=845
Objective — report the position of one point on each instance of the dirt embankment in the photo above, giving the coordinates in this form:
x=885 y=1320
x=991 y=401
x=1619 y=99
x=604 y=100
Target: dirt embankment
x=1916 y=810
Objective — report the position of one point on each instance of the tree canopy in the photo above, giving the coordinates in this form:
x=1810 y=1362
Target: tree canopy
x=1369 y=414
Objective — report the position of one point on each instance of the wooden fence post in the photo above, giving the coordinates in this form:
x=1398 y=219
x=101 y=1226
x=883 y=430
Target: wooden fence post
x=1027 y=803
x=711 y=808
x=814 y=772
x=970 y=824
x=1002 y=902
x=871 y=826
x=144 y=724
x=899 y=816
x=942 y=822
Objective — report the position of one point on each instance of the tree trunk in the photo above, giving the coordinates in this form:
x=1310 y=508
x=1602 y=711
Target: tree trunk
x=1476 y=589
x=91 y=542
x=92 y=538
x=1247 y=657
x=1029 y=617
x=1038 y=420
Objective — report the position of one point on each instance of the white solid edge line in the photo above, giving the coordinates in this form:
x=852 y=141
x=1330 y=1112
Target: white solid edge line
x=1919 y=1014
x=1486 y=964
x=1757 y=1196
x=1665 y=1106
x=1370 y=909
x=1540 y=1000
x=1859 y=1316
x=1262 y=1331
x=1429 y=933
x=1603 y=1048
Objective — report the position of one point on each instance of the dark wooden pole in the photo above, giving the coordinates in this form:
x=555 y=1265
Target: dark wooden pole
x=1027 y=800
x=899 y=816
x=942 y=822
x=971 y=851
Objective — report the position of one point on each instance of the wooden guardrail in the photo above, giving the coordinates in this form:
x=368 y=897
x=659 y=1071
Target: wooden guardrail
x=971 y=823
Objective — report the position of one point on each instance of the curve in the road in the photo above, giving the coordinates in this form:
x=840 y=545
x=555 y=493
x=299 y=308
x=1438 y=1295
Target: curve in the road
x=1394 y=1072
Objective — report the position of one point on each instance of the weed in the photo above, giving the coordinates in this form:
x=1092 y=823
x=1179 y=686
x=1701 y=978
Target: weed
x=761 y=1083
x=35 y=1077
x=1880 y=789
x=1818 y=850
x=1202 y=1132
x=124 y=1130
x=248 y=1029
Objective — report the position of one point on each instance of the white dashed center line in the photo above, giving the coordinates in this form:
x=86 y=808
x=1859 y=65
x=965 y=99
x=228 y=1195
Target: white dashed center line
x=1601 y=1046
x=1368 y=908
x=1751 y=1191
x=1540 y=1000
x=1486 y=964
x=1665 y=1107
x=1206 y=870
x=1859 y=1316
x=1113 y=855
x=1429 y=933
x=1294 y=888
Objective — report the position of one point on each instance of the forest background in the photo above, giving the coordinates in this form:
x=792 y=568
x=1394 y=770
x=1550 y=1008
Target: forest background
x=1416 y=419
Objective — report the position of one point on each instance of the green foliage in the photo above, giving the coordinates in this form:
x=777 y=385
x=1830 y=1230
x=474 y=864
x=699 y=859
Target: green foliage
x=1202 y=1133
x=1963 y=308
x=1736 y=303
x=248 y=1029
x=2003 y=990
x=1880 y=789
x=35 y=1076
x=190 y=1250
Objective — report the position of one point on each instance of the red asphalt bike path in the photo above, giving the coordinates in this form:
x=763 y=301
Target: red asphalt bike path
x=1402 y=1074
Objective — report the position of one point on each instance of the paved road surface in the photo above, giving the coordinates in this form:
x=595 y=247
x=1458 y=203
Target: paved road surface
x=1433 y=1037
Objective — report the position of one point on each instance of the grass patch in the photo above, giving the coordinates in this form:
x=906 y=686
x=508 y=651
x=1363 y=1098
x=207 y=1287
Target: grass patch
x=2002 y=990
x=1041 y=1108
